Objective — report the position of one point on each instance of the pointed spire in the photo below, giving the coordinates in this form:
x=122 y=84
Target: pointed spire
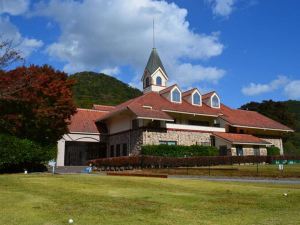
x=154 y=63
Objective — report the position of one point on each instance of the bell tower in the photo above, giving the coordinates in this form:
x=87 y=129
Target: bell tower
x=155 y=77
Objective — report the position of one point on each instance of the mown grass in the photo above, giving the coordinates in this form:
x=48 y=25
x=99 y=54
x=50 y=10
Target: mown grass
x=260 y=170
x=92 y=199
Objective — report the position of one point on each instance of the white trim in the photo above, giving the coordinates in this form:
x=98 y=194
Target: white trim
x=171 y=92
x=166 y=77
x=83 y=133
x=150 y=118
x=211 y=102
x=198 y=114
x=194 y=127
x=239 y=143
x=192 y=95
x=260 y=128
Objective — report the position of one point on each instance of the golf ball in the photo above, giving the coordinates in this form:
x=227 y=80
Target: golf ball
x=71 y=221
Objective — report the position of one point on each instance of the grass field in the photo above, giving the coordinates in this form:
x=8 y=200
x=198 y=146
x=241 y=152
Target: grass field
x=92 y=199
x=259 y=170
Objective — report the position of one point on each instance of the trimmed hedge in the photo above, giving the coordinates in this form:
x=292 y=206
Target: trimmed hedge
x=179 y=150
x=18 y=154
x=130 y=162
x=273 y=151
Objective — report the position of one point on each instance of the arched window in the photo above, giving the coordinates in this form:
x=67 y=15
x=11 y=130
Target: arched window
x=176 y=96
x=196 y=99
x=158 y=81
x=215 y=102
x=147 y=82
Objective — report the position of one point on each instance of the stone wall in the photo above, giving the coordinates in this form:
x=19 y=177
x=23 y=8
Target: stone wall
x=133 y=139
x=249 y=150
x=181 y=137
x=277 y=142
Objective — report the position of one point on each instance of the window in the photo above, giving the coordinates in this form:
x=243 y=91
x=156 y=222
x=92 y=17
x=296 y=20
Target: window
x=256 y=150
x=215 y=102
x=124 y=149
x=198 y=123
x=147 y=82
x=112 y=151
x=168 y=142
x=158 y=81
x=239 y=150
x=118 y=150
x=196 y=99
x=176 y=96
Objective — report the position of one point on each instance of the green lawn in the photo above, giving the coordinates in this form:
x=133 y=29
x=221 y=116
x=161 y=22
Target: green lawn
x=260 y=170
x=92 y=199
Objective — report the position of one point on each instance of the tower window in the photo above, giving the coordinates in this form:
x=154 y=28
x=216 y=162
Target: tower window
x=158 y=81
x=147 y=82
x=176 y=96
x=196 y=99
x=215 y=102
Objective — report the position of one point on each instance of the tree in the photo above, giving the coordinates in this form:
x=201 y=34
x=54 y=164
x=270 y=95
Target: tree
x=36 y=104
x=275 y=110
x=8 y=54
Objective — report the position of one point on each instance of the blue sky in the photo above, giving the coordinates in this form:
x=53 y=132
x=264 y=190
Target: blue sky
x=246 y=50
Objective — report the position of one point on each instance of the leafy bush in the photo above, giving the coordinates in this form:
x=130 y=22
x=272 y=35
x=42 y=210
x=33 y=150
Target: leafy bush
x=273 y=151
x=179 y=150
x=19 y=154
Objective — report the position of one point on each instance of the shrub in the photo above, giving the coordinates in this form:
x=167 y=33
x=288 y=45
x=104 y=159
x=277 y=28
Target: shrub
x=271 y=151
x=179 y=150
x=18 y=154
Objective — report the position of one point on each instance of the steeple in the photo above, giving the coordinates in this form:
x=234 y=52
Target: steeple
x=155 y=76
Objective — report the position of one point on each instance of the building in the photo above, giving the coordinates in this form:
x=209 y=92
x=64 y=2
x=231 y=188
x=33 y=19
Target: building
x=166 y=115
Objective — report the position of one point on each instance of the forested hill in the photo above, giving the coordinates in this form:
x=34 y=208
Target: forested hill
x=98 y=88
x=285 y=112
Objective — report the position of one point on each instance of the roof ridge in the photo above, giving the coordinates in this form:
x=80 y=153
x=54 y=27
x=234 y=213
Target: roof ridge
x=93 y=110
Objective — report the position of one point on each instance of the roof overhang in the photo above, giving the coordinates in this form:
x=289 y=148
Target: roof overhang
x=242 y=143
x=152 y=118
x=261 y=128
x=189 y=113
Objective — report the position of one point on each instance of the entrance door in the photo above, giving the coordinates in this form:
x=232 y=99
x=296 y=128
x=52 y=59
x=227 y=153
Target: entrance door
x=78 y=153
x=223 y=150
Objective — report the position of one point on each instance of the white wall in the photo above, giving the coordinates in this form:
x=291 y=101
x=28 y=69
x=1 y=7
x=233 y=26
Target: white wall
x=61 y=144
x=119 y=124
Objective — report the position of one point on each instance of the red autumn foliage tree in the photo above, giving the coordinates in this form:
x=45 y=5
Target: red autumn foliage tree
x=35 y=103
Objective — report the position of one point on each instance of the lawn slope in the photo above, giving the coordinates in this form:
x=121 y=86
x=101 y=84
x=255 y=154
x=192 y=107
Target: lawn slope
x=46 y=199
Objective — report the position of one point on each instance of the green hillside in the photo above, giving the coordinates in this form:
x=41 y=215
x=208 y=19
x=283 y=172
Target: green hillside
x=98 y=88
x=286 y=112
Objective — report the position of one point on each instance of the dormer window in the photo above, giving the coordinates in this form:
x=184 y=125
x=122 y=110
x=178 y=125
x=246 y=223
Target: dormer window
x=196 y=99
x=158 y=81
x=215 y=101
x=176 y=95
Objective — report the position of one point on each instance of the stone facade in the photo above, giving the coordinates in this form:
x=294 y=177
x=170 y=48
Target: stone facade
x=249 y=150
x=277 y=142
x=181 y=137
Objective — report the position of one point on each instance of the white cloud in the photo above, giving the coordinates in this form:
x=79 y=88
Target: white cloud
x=222 y=7
x=111 y=71
x=257 y=89
x=14 y=7
x=24 y=44
x=292 y=89
x=100 y=34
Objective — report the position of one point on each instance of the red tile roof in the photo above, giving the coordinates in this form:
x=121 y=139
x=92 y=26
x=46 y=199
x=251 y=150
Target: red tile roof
x=251 y=119
x=186 y=93
x=208 y=95
x=159 y=106
x=84 y=121
x=103 y=107
x=241 y=138
x=168 y=89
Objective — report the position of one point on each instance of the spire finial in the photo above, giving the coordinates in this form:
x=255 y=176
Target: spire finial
x=153 y=35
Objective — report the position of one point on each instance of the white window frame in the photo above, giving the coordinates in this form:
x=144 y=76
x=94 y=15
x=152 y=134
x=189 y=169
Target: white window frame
x=211 y=101
x=180 y=95
x=197 y=92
